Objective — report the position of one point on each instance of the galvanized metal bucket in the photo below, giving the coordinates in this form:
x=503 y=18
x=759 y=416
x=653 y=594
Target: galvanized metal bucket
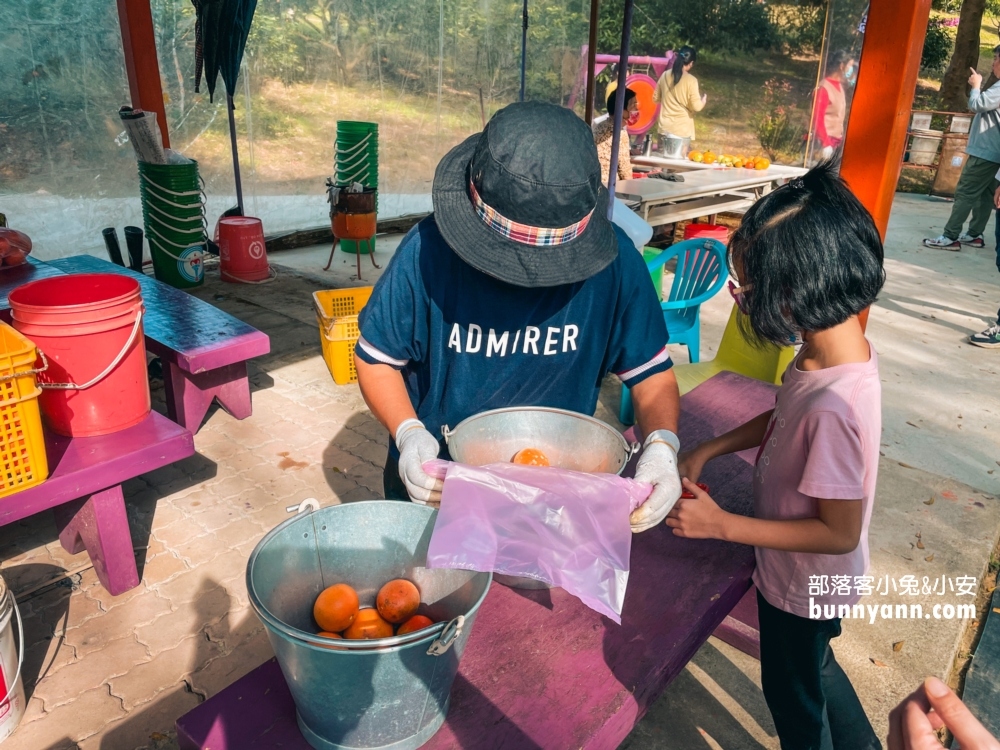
x=675 y=147
x=12 y=703
x=353 y=696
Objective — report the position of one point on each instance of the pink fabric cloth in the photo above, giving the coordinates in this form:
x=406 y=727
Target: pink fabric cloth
x=822 y=442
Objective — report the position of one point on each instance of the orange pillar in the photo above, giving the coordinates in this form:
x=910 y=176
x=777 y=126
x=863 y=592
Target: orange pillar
x=139 y=44
x=880 y=111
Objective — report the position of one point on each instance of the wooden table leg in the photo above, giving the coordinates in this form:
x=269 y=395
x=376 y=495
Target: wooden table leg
x=189 y=395
x=99 y=525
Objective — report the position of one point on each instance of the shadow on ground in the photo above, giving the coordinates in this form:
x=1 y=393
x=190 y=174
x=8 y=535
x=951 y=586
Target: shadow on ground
x=689 y=716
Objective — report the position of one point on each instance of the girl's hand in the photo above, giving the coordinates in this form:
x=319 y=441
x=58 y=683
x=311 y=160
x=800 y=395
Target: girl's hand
x=700 y=518
x=690 y=463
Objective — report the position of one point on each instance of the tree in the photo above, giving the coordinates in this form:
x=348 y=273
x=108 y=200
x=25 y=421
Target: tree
x=954 y=93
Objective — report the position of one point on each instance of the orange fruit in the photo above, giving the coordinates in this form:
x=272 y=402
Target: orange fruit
x=530 y=457
x=709 y=158
x=368 y=626
x=332 y=636
x=696 y=156
x=336 y=607
x=417 y=622
x=763 y=164
x=398 y=600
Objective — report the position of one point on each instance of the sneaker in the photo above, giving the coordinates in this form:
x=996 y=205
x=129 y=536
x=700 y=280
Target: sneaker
x=988 y=339
x=968 y=239
x=944 y=243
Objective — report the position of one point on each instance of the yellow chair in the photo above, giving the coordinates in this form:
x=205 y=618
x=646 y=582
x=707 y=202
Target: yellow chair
x=737 y=355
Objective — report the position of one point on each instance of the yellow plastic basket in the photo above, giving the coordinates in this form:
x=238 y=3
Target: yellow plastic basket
x=22 y=444
x=337 y=314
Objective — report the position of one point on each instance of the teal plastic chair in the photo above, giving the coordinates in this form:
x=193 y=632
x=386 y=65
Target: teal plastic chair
x=701 y=273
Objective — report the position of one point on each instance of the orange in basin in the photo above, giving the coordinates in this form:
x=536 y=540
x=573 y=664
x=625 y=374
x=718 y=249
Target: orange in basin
x=530 y=457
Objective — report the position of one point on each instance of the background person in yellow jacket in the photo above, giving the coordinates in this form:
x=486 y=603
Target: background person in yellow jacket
x=679 y=98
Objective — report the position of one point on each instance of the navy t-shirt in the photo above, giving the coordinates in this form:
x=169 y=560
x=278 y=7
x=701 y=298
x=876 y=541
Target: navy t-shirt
x=467 y=343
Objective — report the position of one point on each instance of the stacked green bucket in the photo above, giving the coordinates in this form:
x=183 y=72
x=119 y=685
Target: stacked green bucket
x=356 y=160
x=173 y=212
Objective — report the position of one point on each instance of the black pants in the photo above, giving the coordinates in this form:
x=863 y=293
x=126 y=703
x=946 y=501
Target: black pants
x=812 y=702
x=392 y=485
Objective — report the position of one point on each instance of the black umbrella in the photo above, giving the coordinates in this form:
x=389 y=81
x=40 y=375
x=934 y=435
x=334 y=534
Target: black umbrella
x=221 y=32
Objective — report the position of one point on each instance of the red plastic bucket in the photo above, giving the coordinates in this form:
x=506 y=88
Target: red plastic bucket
x=242 y=255
x=89 y=329
x=707 y=231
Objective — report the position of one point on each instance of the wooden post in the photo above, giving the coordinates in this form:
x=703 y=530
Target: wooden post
x=139 y=44
x=880 y=111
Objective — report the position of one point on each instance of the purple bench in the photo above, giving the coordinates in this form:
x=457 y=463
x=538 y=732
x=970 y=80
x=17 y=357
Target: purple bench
x=84 y=492
x=203 y=349
x=541 y=669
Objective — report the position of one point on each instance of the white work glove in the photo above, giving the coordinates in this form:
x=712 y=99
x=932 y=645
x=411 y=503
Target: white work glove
x=657 y=466
x=416 y=446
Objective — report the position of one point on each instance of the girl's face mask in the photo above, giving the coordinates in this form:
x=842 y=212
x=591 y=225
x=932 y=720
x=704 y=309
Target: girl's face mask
x=851 y=74
x=738 y=293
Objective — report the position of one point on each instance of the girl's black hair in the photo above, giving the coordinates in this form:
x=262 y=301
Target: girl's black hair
x=683 y=56
x=837 y=59
x=613 y=96
x=813 y=255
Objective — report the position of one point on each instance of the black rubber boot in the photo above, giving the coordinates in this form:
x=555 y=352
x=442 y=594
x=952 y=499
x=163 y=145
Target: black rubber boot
x=111 y=243
x=133 y=238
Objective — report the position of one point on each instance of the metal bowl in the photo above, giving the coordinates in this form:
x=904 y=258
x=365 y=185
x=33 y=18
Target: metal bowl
x=569 y=440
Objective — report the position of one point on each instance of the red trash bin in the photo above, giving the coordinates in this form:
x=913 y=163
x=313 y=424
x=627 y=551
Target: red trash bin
x=707 y=231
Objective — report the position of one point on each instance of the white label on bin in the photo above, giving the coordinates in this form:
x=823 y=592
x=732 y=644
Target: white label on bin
x=956 y=161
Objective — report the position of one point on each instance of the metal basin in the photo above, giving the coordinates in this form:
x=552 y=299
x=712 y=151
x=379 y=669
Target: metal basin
x=569 y=440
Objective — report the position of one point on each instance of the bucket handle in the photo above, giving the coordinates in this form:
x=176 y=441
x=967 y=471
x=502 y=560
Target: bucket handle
x=107 y=370
x=446 y=433
x=271 y=276
x=25 y=373
x=310 y=504
x=448 y=637
x=20 y=651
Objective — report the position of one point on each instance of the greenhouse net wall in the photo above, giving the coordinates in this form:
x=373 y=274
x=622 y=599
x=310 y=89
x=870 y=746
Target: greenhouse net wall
x=429 y=72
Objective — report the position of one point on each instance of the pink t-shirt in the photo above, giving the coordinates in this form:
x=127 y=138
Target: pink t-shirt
x=822 y=442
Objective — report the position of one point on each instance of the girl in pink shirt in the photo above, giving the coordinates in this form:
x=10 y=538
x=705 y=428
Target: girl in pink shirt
x=808 y=260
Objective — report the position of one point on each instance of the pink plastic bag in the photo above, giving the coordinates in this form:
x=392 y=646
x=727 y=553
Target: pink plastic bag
x=562 y=527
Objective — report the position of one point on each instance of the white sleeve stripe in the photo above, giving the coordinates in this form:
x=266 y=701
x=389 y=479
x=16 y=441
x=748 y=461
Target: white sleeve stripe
x=382 y=357
x=660 y=358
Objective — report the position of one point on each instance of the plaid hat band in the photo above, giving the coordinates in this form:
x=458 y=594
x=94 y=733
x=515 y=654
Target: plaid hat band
x=525 y=233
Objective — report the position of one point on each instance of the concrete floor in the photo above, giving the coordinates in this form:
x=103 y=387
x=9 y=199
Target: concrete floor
x=114 y=672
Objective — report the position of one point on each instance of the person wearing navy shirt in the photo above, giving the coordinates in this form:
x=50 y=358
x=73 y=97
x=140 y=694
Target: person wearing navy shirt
x=516 y=291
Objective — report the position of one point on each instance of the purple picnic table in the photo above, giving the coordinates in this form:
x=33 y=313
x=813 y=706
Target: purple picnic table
x=85 y=494
x=204 y=350
x=541 y=670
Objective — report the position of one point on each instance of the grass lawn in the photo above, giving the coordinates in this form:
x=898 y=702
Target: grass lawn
x=294 y=126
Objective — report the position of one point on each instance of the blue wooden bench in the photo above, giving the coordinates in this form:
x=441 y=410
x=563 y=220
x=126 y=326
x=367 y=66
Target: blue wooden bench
x=203 y=349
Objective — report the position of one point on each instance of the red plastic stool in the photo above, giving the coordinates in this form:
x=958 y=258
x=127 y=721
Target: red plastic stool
x=707 y=231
